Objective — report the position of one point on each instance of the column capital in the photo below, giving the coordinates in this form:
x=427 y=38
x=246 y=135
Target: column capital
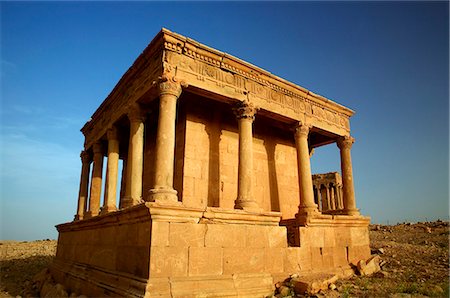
x=111 y=133
x=97 y=148
x=245 y=110
x=85 y=157
x=302 y=130
x=169 y=85
x=345 y=142
x=136 y=113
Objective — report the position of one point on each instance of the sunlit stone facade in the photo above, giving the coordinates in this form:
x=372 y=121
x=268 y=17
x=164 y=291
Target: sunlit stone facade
x=216 y=194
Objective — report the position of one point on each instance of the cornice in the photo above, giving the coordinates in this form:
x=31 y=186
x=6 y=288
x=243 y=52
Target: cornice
x=224 y=68
x=192 y=48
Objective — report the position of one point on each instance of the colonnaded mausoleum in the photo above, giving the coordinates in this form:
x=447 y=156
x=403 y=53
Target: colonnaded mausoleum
x=216 y=196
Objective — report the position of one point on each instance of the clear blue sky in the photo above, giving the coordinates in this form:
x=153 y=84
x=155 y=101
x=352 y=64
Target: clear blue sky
x=388 y=61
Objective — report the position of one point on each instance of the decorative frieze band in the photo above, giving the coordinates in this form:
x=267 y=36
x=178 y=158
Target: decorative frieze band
x=213 y=67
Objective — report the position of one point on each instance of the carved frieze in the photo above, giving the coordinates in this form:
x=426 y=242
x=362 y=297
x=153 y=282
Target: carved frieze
x=218 y=68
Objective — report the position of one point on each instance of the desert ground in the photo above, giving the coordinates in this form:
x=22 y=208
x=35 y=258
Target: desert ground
x=415 y=263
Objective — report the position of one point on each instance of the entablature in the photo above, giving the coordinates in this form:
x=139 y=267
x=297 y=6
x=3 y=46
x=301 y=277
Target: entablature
x=219 y=74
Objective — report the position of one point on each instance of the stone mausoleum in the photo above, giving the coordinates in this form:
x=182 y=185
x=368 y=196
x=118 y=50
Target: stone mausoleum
x=216 y=196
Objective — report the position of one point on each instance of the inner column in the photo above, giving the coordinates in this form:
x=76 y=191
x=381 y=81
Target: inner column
x=109 y=204
x=245 y=114
x=345 y=144
x=84 y=185
x=163 y=191
x=135 y=160
x=96 y=183
x=307 y=205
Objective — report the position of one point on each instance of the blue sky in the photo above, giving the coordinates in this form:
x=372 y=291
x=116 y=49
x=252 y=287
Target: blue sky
x=389 y=61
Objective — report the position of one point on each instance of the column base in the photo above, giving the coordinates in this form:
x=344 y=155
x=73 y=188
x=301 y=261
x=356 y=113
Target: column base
x=247 y=205
x=308 y=210
x=90 y=214
x=78 y=217
x=163 y=196
x=108 y=209
x=353 y=212
x=126 y=202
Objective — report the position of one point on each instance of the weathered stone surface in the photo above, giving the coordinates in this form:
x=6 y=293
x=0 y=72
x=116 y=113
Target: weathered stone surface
x=314 y=283
x=369 y=267
x=212 y=189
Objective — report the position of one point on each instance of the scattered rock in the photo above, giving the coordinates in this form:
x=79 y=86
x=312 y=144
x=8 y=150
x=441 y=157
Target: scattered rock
x=369 y=267
x=332 y=287
x=313 y=284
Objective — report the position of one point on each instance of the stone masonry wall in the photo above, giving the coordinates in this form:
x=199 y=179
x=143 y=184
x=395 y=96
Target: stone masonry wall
x=211 y=162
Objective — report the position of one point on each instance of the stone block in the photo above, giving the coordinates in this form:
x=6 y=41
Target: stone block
x=316 y=258
x=342 y=236
x=144 y=233
x=329 y=239
x=359 y=236
x=188 y=187
x=127 y=234
x=340 y=256
x=253 y=285
x=257 y=236
x=356 y=253
x=205 y=261
x=168 y=261
x=277 y=236
x=192 y=168
x=225 y=235
x=274 y=259
x=291 y=261
x=304 y=258
x=204 y=286
x=133 y=260
x=186 y=234
x=157 y=287
x=104 y=256
x=160 y=233
x=238 y=260
x=328 y=257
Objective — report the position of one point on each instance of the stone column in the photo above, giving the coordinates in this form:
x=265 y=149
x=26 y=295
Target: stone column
x=345 y=144
x=327 y=187
x=307 y=205
x=135 y=160
x=112 y=168
x=163 y=191
x=96 y=182
x=84 y=185
x=333 y=197
x=245 y=114
x=123 y=183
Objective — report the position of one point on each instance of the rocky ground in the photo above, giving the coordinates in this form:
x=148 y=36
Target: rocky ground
x=414 y=263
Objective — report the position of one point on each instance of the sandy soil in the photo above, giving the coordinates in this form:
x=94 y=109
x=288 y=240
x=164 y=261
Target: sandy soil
x=416 y=256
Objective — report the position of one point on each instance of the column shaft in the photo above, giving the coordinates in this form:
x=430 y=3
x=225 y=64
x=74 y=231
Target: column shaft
x=84 y=185
x=307 y=205
x=162 y=190
x=333 y=198
x=96 y=183
x=327 y=187
x=245 y=114
x=135 y=160
x=345 y=144
x=112 y=167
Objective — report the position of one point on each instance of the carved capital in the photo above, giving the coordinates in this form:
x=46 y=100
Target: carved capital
x=136 y=114
x=97 y=148
x=302 y=130
x=169 y=85
x=345 y=142
x=85 y=157
x=245 y=110
x=111 y=133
